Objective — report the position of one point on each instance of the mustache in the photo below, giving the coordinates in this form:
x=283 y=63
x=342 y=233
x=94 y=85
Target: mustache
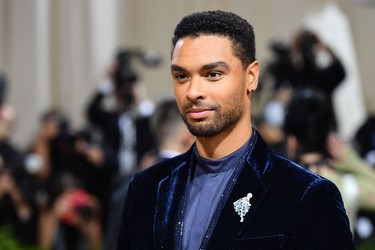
x=199 y=104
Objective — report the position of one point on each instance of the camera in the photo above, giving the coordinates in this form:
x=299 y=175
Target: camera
x=125 y=76
x=80 y=207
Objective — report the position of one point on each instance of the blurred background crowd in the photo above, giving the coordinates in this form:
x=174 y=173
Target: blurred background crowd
x=65 y=188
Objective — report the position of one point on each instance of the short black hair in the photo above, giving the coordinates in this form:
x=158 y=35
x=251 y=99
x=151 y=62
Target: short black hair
x=308 y=119
x=166 y=120
x=220 y=23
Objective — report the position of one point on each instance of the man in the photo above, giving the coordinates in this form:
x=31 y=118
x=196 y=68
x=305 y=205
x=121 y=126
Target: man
x=121 y=136
x=126 y=134
x=171 y=135
x=230 y=190
x=172 y=138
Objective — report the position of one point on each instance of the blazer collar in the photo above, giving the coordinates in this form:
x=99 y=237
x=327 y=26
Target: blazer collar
x=170 y=198
x=169 y=205
x=229 y=226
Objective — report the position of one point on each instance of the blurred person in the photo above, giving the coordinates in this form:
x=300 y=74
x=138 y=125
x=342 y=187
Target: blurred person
x=126 y=133
x=56 y=168
x=78 y=217
x=72 y=221
x=307 y=126
x=316 y=65
x=365 y=140
x=311 y=142
x=279 y=70
x=345 y=159
x=364 y=144
x=281 y=66
x=276 y=87
x=307 y=62
x=271 y=121
x=307 y=122
x=16 y=209
x=52 y=156
x=97 y=177
x=10 y=155
x=53 y=144
x=229 y=190
x=172 y=138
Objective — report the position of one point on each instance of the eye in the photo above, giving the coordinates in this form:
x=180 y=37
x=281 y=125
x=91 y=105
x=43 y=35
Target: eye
x=213 y=75
x=180 y=77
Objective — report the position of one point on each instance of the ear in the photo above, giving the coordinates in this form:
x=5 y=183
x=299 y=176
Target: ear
x=252 y=75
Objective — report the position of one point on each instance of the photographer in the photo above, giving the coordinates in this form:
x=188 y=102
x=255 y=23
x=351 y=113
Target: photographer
x=126 y=133
x=16 y=211
x=68 y=215
x=315 y=62
x=317 y=66
x=306 y=62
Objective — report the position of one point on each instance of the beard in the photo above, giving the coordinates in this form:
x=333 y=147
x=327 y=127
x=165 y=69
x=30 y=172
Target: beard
x=222 y=120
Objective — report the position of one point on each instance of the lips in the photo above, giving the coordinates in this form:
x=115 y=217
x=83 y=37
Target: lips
x=198 y=113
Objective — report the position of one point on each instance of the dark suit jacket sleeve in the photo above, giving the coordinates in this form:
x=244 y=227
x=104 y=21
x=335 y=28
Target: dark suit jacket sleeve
x=95 y=112
x=136 y=229
x=107 y=123
x=322 y=222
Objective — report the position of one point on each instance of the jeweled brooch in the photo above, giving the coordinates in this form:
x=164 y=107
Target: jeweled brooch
x=242 y=206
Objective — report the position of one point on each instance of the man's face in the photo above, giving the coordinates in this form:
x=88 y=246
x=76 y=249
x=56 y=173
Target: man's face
x=209 y=85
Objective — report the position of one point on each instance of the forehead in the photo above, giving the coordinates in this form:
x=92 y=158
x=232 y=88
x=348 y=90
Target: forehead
x=202 y=49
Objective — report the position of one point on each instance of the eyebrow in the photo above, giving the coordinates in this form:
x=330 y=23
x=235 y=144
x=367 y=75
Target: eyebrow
x=175 y=67
x=215 y=65
x=209 y=66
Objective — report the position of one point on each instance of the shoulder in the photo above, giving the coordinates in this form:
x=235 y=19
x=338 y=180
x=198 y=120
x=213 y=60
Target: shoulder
x=282 y=174
x=295 y=172
x=300 y=182
x=318 y=215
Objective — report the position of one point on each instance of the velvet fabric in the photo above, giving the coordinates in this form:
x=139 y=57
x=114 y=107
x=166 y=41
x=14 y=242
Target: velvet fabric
x=291 y=207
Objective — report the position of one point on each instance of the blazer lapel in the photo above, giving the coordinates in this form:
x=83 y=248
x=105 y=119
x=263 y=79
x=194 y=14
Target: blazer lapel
x=229 y=226
x=170 y=194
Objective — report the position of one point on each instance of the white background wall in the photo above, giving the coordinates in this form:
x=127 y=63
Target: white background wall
x=56 y=52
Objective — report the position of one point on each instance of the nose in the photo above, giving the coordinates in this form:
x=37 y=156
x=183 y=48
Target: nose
x=196 y=89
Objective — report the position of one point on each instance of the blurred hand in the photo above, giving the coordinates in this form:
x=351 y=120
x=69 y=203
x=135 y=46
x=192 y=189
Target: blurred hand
x=95 y=155
x=9 y=186
x=62 y=204
x=337 y=147
x=6 y=184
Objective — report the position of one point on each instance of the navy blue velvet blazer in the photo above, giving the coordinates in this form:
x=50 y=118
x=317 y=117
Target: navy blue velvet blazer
x=291 y=207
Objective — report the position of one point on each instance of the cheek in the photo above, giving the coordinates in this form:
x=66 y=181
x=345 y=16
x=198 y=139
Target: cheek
x=179 y=96
x=236 y=92
x=180 y=90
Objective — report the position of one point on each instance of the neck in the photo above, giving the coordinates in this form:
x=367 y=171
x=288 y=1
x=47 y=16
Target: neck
x=223 y=144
